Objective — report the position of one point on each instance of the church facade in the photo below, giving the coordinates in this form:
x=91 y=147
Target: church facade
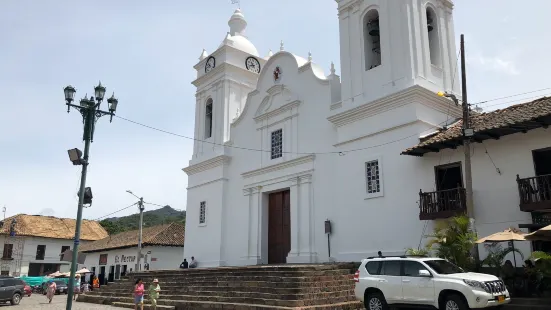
x=291 y=165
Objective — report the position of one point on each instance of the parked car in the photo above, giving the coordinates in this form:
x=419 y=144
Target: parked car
x=61 y=287
x=383 y=282
x=12 y=290
x=28 y=291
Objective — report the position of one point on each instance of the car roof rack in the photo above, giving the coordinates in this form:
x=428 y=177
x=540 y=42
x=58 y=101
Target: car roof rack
x=401 y=256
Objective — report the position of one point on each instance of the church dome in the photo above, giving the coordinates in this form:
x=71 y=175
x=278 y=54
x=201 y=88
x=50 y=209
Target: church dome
x=236 y=37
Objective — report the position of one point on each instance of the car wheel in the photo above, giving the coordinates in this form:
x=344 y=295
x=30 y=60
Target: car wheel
x=454 y=302
x=375 y=301
x=16 y=298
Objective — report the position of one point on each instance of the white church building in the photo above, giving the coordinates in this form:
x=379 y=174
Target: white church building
x=282 y=148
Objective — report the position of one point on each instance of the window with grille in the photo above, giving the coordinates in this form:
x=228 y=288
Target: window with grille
x=40 y=252
x=277 y=144
x=372 y=177
x=208 y=119
x=203 y=212
x=8 y=251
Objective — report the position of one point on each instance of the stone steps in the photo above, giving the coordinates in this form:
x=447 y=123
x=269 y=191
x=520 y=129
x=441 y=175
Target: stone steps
x=270 y=300
x=328 y=287
x=320 y=287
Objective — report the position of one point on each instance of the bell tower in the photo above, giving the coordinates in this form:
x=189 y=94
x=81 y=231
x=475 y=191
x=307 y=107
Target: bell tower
x=224 y=79
x=390 y=45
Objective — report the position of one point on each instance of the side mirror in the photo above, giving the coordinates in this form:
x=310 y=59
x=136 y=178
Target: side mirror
x=424 y=274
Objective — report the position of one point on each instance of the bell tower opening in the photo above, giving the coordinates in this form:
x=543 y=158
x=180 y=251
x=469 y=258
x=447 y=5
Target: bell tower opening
x=372 y=40
x=434 y=38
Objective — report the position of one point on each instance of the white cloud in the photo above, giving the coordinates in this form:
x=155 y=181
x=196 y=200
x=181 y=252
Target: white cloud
x=495 y=63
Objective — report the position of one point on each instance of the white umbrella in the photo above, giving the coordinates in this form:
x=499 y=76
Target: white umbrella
x=55 y=274
x=83 y=270
x=543 y=234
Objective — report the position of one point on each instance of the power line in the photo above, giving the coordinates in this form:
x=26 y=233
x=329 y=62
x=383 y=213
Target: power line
x=511 y=96
x=519 y=100
x=286 y=152
x=99 y=218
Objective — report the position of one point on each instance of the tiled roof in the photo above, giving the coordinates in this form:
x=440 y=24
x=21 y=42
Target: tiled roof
x=490 y=125
x=53 y=227
x=161 y=235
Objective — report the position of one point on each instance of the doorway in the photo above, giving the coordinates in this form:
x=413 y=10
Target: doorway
x=279 y=227
x=448 y=176
x=542 y=161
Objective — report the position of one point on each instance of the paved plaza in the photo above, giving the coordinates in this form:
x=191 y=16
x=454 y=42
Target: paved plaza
x=36 y=302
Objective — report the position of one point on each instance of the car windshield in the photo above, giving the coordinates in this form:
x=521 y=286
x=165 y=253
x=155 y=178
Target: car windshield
x=443 y=266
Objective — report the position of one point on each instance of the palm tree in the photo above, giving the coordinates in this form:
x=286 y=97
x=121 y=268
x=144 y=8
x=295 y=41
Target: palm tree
x=496 y=255
x=453 y=240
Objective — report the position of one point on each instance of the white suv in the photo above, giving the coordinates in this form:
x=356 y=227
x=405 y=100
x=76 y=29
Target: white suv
x=420 y=281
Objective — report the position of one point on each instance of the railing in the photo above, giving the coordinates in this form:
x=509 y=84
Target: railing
x=442 y=204
x=535 y=193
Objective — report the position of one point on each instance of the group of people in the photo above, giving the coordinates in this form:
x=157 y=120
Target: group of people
x=185 y=264
x=152 y=292
x=52 y=288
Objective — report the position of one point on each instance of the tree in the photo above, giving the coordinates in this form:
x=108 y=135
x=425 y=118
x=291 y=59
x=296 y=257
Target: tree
x=453 y=240
x=112 y=228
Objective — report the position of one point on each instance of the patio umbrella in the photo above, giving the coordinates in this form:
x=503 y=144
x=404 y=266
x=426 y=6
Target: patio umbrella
x=83 y=270
x=54 y=275
x=510 y=234
x=540 y=234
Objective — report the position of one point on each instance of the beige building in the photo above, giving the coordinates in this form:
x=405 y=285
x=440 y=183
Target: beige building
x=34 y=247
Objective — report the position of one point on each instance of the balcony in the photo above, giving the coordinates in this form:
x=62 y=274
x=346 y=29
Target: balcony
x=535 y=193
x=442 y=204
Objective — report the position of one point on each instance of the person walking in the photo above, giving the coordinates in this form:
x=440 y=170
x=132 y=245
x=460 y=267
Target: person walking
x=76 y=288
x=138 y=294
x=153 y=293
x=51 y=291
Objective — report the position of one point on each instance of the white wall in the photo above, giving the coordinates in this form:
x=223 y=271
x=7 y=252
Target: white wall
x=53 y=250
x=165 y=258
x=496 y=197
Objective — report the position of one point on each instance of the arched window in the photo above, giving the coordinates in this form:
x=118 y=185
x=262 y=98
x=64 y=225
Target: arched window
x=208 y=119
x=372 y=40
x=434 y=39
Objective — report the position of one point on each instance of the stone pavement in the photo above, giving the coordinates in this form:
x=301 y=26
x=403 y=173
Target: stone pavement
x=39 y=302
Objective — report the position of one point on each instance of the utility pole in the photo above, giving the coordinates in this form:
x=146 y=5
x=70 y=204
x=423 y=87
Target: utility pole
x=140 y=205
x=468 y=132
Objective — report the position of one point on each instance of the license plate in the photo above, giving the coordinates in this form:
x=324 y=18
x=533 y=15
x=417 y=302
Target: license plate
x=500 y=298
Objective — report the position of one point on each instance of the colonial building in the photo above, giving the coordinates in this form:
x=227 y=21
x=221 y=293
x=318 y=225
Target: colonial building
x=291 y=165
x=113 y=256
x=32 y=244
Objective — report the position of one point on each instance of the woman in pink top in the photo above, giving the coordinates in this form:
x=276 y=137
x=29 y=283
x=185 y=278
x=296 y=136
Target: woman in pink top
x=139 y=290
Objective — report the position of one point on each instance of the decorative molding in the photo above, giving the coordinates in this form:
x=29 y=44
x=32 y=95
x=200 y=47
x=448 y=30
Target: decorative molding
x=391 y=102
x=247 y=191
x=294 y=181
x=279 y=180
x=335 y=106
x=305 y=179
x=278 y=111
x=286 y=164
x=219 y=69
x=208 y=164
x=278 y=122
x=207 y=183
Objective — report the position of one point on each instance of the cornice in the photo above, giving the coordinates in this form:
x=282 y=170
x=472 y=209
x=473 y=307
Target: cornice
x=351 y=5
x=394 y=101
x=286 y=164
x=276 y=112
x=207 y=165
x=219 y=69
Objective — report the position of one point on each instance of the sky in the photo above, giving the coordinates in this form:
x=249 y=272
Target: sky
x=144 y=52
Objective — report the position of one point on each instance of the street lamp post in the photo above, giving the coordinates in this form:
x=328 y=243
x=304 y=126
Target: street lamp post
x=90 y=111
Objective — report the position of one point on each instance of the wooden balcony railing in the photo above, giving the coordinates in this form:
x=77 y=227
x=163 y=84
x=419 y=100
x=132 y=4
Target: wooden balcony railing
x=442 y=204
x=535 y=193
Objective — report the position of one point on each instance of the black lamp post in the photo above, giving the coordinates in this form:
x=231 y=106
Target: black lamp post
x=91 y=112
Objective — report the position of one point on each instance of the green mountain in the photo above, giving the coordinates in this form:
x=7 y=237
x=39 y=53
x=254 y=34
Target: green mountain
x=160 y=216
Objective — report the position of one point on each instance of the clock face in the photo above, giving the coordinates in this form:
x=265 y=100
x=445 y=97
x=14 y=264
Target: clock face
x=210 y=64
x=252 y=65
